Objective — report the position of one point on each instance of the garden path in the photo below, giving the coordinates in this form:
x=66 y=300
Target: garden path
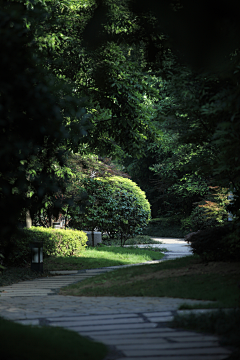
x=134 y=328
x=176 y=247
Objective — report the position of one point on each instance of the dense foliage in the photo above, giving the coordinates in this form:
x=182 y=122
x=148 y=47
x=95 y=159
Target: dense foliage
x=113 y=206
x=217 y=244
x=144 y=82
x=50 y=104
x=197 y=112
x=56 y=242
x=31 y=121
x=127 y=185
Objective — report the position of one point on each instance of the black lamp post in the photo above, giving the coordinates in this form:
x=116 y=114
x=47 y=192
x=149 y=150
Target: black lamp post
x=37 y=256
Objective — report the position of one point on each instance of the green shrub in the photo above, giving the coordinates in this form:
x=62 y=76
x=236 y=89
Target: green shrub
x=217 y=244
x=121 y=183
x=165 y=227
x=110 y=208
x=232 y=241
x=209 y=212
x=96 y=210
x=200 y=219
x=130 y=218
x=55 y=242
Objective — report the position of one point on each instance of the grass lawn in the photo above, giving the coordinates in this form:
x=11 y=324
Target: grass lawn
x=109 y=255
x=102 y=256
x=23 y=342
x=185 y=278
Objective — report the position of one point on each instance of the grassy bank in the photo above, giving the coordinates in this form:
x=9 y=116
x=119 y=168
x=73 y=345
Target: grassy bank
x=23 y=342
x=185 y=278
x=226 y=325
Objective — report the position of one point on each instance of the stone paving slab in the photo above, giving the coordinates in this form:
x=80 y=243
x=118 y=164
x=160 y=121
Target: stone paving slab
x=89 y=305
x=178 y=357
x=158 y=332
x=85 y=324
x=134 y=337
x=192 y=337
x=87 y=330
x=157 y=313
x=133 y=341
x=161 y=318
x=62 y=272
x=93 y=317
x=178 y=352
x=169 y=346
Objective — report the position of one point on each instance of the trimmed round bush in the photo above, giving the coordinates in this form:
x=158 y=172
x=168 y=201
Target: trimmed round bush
x=120 y=183
x=114 y=206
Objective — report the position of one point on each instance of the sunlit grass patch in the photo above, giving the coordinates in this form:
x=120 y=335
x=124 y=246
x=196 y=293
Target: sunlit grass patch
x=102 y=256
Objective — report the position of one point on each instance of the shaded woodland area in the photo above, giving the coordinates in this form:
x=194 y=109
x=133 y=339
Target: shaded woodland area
x=148 y=90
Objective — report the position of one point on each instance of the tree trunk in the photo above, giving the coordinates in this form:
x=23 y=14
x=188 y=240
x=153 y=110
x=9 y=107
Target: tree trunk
x=28 y=220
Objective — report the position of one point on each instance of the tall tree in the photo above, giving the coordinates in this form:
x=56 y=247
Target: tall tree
x=33 y=119
x=109 y=77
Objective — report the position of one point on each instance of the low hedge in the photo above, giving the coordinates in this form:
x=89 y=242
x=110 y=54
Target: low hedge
x=56 y=242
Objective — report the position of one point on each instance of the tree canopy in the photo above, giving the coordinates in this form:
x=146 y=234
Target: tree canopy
x=156 y=81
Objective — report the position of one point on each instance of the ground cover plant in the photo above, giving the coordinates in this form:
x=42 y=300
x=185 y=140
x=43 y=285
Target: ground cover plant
x=102 y=256
x=224 y=324
x=46 y=343
x=137 y=240
x=217 y=243
x=186 y=278
x=11 y=275
x=165 y=227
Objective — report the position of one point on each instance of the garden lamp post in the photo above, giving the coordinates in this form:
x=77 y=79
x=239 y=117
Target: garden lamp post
x=37 y=256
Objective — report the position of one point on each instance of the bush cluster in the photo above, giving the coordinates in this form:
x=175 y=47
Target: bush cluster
x=217 y=244
x=199 y=220
x=56 y=242
x=209 y=212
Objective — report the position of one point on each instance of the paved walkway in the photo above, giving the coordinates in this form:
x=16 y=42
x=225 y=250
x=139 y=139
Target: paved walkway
x=134 y=328
x=175 y=247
